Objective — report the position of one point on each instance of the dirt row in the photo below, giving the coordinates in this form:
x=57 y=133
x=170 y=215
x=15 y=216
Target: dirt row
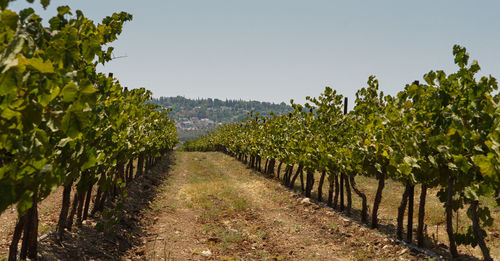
x=214 y=208
x=208 y=206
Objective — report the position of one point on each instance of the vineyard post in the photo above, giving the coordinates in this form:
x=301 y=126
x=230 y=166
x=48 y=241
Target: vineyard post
x=343 y=177
x=346 y=179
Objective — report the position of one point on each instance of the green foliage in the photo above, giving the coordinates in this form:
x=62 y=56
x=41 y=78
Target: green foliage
x=448 y=128
x=60 y=119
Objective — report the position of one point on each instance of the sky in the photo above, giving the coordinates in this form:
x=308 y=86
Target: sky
x=277 y=50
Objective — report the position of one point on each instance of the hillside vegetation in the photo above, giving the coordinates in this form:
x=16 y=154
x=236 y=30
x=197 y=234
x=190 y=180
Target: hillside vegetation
x=195 y=117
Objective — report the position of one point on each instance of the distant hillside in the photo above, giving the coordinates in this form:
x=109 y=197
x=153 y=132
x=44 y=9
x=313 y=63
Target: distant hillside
x=196 y=117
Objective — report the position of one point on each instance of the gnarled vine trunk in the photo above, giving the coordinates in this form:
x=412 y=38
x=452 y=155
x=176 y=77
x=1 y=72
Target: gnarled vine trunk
x=29 y=246
x=401 y=213
x=69 y=222
x=449 y=217
x=297 y=173
x=409 y=229
x=320 y=185
x=309 y=182
x=279 y=170
x=330 y=190
x=337 y=185
x=270 y=167
x=81 y=200
x=63 y=215
x=302 y=181
x=140 y=166
x=378 y=199
x=18 y=230
x=87 y=203
x=130 y=172
x=341 y=187
x=364 y=206
x=478 y=232
x=349 y=196
x=421 y=216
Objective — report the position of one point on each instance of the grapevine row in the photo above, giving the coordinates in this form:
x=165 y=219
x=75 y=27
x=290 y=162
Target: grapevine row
x=64 y=124
x=442 y=134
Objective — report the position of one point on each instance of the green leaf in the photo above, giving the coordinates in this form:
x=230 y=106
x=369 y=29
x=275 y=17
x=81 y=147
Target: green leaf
x=55 y=23
x=8 y=195
x=23 y=14
x=64 y=9
x=7 y=83
x=9 y=18
x=87 y=89
x=9 y=57
x=71 y=125
x=3 y=5
x=46 y=98
x=462 y=163
x=25 y=202
x=485 y=165
x=38 y=64
x=9 y=114
x=69 y=92
x=91 y=161
x=45 y=3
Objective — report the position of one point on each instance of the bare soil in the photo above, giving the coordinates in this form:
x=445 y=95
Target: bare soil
x=214 y=208
x=208 y=206
x=48 y=211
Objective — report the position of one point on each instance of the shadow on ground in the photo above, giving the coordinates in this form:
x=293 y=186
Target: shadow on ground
x=119 y=228
x=387 y=229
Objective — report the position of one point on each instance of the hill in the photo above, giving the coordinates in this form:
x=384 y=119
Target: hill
x=195 y=117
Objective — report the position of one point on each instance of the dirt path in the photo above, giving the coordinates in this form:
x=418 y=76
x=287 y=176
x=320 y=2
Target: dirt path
x=213 y=208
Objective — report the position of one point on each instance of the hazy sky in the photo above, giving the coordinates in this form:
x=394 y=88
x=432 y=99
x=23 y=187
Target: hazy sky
x=275 y=50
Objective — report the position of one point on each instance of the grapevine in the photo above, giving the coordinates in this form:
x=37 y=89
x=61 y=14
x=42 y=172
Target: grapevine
x=441 y=134
x=63 y=123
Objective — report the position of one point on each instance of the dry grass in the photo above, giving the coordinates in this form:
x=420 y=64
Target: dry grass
x=237 y=214
x=435 y=229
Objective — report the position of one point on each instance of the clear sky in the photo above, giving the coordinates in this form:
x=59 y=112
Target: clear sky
x=277 y=50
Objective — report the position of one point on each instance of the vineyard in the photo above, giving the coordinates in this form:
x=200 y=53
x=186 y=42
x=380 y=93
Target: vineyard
x=432 y=152
x=442 y=135
x=64 y=124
